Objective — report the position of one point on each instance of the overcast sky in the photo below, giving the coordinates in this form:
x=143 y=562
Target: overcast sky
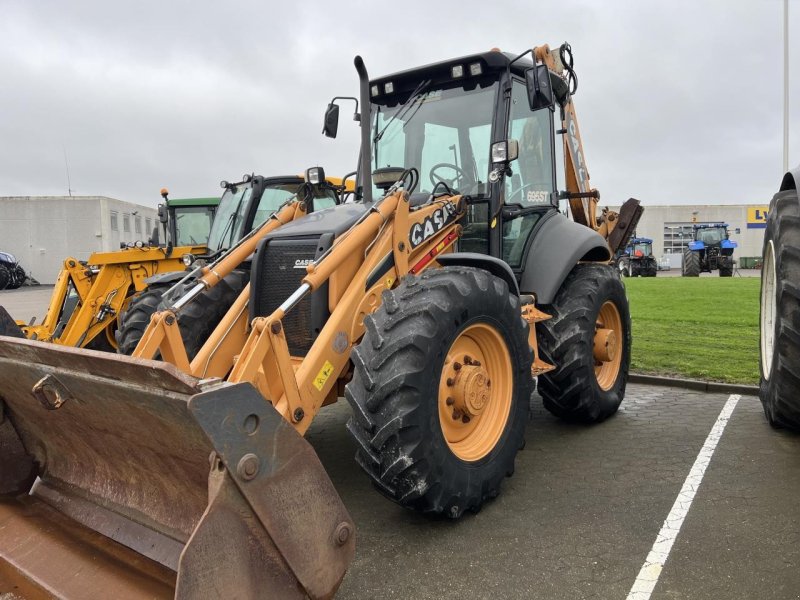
x=679 y=102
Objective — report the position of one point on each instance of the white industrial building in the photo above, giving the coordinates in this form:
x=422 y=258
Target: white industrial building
x=670 y=228
x=42 y=231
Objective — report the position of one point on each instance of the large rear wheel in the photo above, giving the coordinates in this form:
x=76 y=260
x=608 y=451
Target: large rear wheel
x=779 y=338
x=691 y=264
x=588 y=339
x=441 y=390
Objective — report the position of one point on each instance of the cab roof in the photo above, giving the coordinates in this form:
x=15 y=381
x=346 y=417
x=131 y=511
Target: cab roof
x=491 y=61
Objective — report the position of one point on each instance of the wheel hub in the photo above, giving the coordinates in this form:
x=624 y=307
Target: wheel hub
x=605 y=345
x=471 y=390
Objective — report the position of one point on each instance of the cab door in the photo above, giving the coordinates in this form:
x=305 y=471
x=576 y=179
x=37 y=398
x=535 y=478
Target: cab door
x=529 y=192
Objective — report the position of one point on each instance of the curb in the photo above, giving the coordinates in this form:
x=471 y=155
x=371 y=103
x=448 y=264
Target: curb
x=695 y=384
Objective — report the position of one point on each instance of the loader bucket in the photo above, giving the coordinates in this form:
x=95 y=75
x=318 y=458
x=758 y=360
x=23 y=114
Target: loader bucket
x=199 y=488
x=629 y=215
x=8 y=326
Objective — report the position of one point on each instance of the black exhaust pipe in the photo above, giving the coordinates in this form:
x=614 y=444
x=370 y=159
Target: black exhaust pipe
x=366 y=142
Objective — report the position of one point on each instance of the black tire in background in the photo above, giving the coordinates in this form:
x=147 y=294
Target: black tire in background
x=396 y=397
x=5 y=276
x=133 y=321
x=196 y=321
x=691 y=264
x=17 y=277
x=779 y=339
x=572 y=391
x=726 y=267
x=623 y=265
x=199 y=318
x=649 y=267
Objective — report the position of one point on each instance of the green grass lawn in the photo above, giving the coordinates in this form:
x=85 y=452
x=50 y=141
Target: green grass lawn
x=702 y=328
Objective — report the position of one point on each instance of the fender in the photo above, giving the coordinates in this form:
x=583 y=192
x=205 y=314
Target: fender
x=172 y=277
x=791 y=179
x=495 y=266
x=728 y=244
x=696 y=245
x=555 y=249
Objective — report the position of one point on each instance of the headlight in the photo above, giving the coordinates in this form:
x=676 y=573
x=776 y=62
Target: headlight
x=188 y=259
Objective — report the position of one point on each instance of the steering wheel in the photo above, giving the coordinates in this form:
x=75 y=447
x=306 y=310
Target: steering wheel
x=461 y=175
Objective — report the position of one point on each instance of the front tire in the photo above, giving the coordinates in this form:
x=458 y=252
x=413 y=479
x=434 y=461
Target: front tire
x=5 y=276
x=588 y=339
x=779 y=339
x=441 y=390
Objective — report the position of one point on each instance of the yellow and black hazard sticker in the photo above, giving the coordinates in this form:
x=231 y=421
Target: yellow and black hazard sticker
x=323 y=375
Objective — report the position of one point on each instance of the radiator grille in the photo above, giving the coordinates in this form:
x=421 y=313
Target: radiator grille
x=282 y=268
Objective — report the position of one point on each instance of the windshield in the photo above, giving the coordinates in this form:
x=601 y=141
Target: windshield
x=192 y=224
x=445 y=132
x=274 y=196
x=712 y=235
x=228 y=220
x=642 y=249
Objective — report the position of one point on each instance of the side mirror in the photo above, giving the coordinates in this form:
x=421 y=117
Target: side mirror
x=540 y=90
x=154 y=241
x=331 y=125
x=162 y=213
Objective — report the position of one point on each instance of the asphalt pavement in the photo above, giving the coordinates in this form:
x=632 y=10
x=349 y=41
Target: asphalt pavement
x=586 y=506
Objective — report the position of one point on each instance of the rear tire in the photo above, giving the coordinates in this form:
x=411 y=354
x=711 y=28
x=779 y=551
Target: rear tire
x=691 y=264
x=5 y=276
x=411 y=443
x=650 y=267
x=590 y=302
x=779 y=339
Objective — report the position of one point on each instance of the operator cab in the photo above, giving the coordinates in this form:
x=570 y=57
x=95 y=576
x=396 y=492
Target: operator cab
x=467 y=127
x=248 y=203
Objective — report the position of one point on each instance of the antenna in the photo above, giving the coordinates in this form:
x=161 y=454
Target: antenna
x=66 y=164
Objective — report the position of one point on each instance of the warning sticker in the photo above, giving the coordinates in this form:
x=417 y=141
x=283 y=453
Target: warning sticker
x=323 y=375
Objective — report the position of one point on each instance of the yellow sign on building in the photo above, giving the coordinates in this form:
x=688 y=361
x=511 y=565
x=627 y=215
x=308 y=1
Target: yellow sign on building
x=757 y=217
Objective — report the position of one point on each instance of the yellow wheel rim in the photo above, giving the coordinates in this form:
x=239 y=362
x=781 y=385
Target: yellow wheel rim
x=475 y=392
x=608 y=345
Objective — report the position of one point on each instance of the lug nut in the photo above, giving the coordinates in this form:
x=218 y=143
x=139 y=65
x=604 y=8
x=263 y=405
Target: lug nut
x=449 y=401
x=457 y=366
x=456 y=414
x=467 y=359
x=476 y=363
x=451 y=382
x=465 y=419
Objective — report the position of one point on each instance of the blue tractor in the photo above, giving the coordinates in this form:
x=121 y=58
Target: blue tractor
x=637 y=259
x=710 y=250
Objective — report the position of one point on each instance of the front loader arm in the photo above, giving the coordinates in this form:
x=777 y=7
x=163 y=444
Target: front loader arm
x=399 y=243
x=162 y=333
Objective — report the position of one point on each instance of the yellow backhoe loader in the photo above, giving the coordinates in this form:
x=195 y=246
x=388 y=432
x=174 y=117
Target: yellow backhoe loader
x=431 y=303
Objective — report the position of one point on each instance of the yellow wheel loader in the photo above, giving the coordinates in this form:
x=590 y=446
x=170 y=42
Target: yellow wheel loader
x=431 y=303
x=89 y=296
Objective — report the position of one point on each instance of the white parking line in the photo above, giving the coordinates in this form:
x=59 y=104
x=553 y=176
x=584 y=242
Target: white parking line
x=651 y=569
